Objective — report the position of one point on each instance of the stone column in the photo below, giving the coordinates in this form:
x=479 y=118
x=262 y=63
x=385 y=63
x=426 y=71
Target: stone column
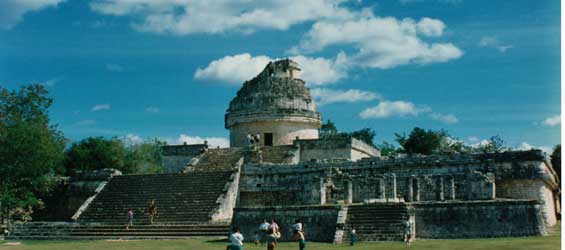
x=349 y=192
x=416 y=189
x=393 y=191
x=409 y=189
x=451 y=187
x=439 y=189
x=322 y=191
x=382 y=188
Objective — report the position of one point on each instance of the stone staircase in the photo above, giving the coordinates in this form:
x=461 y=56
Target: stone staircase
x=92 y=231
x=376 y=222
x=271 y=154
x=180 y=198
x=218 y=160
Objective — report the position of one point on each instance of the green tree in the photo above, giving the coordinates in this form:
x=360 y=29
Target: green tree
x=387 y=149
x=423 y=142
x=556 y=160
x=145 y=157
x=328 y=129
x=31 y=149
x=495 y=144
x=96 y=153
x=366 y=135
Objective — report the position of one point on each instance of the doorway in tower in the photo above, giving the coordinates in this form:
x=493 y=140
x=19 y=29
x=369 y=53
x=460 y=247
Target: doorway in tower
x=268 y=139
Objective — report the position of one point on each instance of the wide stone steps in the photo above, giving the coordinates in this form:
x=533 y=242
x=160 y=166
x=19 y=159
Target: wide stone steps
x=218 y=159
x=74 y=231
x=180 y=198
x=376 y=222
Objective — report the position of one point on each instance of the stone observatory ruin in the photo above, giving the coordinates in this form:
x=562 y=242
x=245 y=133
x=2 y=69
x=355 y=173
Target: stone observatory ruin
x=331 y=184
x=275 y=104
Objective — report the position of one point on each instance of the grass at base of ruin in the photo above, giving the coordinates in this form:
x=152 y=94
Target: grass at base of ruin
x=551 y=242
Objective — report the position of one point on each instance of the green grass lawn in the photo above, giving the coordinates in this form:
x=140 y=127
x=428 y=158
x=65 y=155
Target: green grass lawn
x=551 y=242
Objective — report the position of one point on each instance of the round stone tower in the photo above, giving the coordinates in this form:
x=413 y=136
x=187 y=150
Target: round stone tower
x=275 y=104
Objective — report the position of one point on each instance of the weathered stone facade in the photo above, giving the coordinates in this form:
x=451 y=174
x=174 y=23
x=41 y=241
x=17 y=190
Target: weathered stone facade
x=512 y=191
x=275 y=104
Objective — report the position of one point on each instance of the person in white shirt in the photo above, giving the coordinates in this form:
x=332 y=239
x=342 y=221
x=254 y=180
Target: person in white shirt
x=263 y=228
x=236 y=240
x=297 y=226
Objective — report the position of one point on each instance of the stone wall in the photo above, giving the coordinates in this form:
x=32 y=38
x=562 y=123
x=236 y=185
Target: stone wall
x=69 y=195
x=477 y=219
x=228 y=199
x=317 y=183
x=335 y=148
x=284 y=132
x=530 y=189
x=412 y=179
x=319 y=221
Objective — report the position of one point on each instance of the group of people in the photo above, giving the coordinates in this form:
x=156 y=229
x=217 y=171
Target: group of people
x=253 y=139
x=269 y=234
x=151 y=210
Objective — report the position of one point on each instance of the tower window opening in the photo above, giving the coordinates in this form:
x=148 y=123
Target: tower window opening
x=268 y=139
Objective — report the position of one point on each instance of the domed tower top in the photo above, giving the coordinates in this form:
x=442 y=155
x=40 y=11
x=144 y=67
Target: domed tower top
x=275 y=104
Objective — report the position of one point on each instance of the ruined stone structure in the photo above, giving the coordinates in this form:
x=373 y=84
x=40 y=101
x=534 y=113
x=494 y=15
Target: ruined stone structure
x=333 y=185
x=275 y=104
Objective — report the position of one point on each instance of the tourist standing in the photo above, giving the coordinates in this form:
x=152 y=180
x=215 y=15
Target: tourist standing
x=352 y=237
x=258 y=139
x=301 y=240
x=236 y=240
x=408 y=230
x=275 y=227
x=271 y=240
x=263 y=229
x=257 y=238
x=130 y=219
x=297 y=227
x=248 y=139
x=152 y=210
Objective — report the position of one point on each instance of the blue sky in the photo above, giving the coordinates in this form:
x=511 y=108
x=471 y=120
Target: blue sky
x=168 y=69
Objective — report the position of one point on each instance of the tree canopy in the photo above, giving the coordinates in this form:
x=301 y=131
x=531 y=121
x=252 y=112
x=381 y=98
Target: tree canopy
x=98 y=152
x=31 y=149
x=422 y=141
x=329 y=130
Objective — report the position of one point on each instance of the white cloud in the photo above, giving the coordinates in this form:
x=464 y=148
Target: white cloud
x=233 y=69
x=132 y=139
x=493 y=42
x=387 y=109
x=392 y=108
x=51 y=82
x=319 y=71
x=152 y=110
x=12 y=11
x=238 y=68
x=473 y=139
x=184 y=17
x=552 y=121
x=114 y=67
x=445 y=118
x=430 y=27
x=527 y=146
x=381 y=42
x=324 y=96
x=212 y=141
x=101 y=107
